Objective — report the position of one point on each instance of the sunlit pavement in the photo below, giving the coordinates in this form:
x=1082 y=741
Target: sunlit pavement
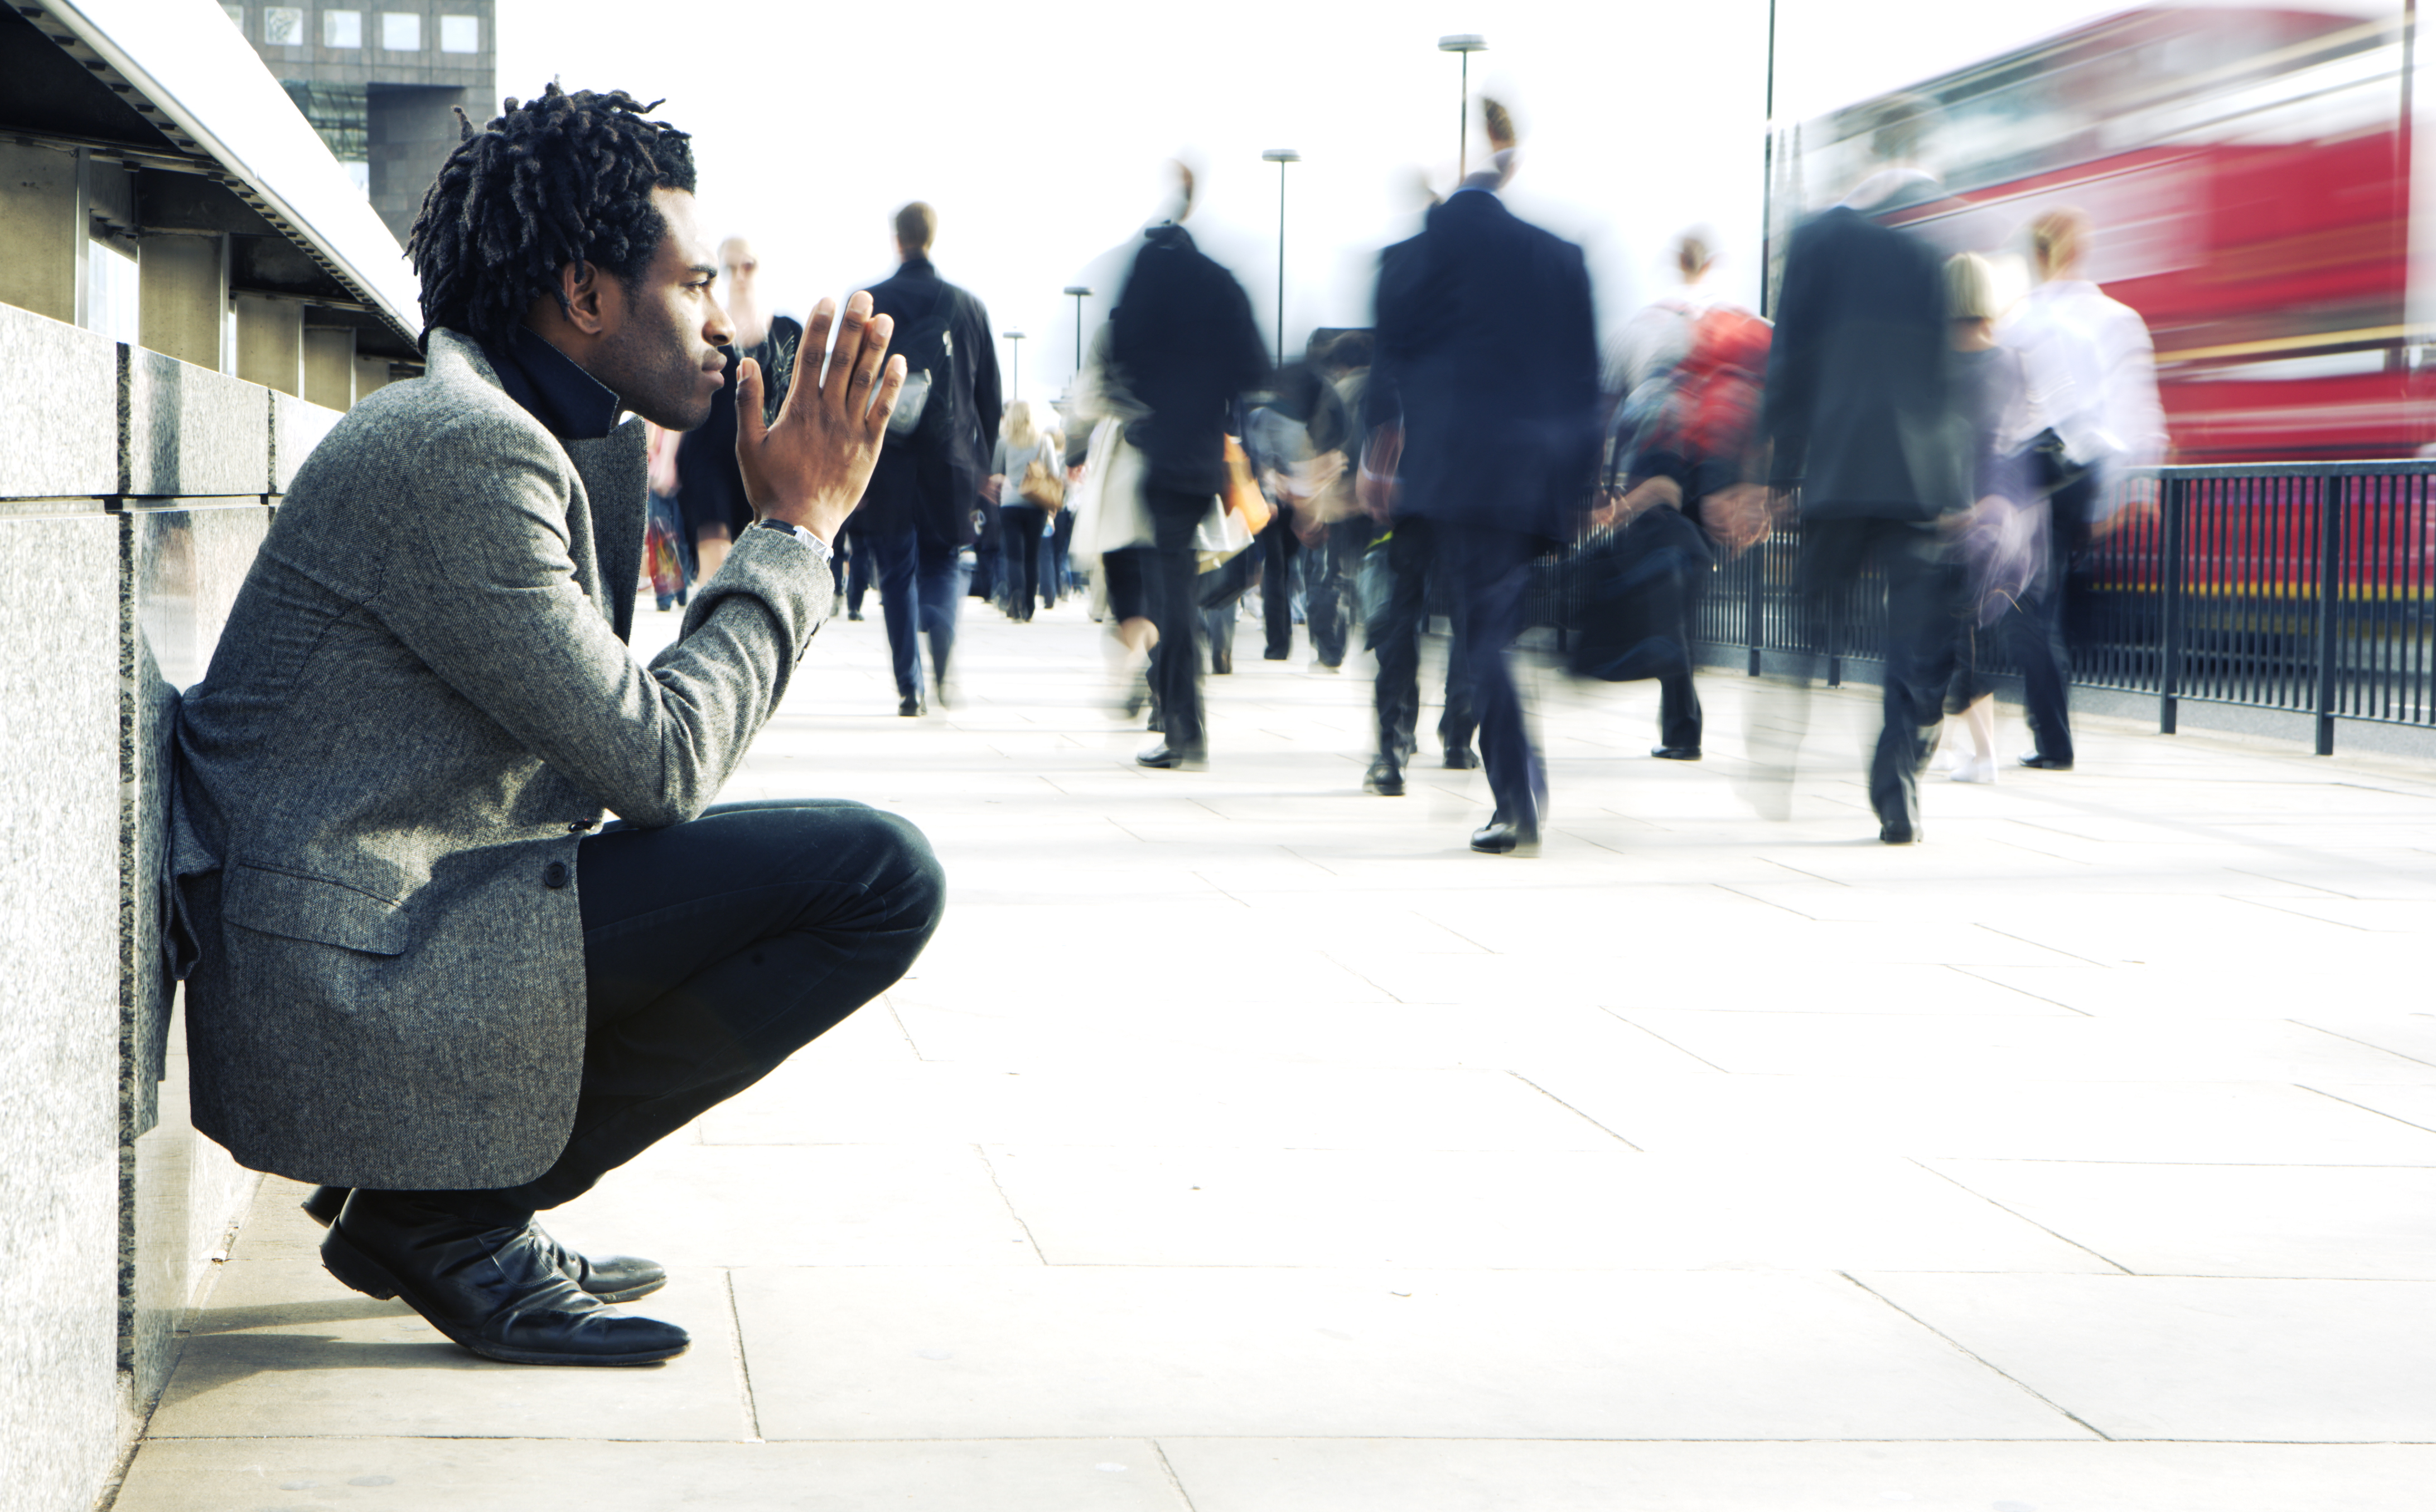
x=1246 y=1144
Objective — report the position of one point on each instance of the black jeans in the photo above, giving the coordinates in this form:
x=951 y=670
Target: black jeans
x=2035 y=626
x=1020 y=550
x=715 y=950
x=1924 y=590
x=1394 y=635
x=1162 y=580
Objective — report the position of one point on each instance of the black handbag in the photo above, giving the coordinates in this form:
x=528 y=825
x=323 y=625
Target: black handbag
x=1633 y=594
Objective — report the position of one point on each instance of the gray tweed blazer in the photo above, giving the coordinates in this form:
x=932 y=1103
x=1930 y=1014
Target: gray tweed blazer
x=422 y=701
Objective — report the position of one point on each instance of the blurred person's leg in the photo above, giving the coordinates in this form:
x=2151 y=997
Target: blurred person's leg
x=1330 y=565
x=1279 y=550
x=939 y=591
x=1175 y=610
x=900 y=600
x=2036 y=629
x=857 y=572
x=1922 y=593
x=1458 y=719
x=1395 y=637
x=1021 y=534
x=1489 y=567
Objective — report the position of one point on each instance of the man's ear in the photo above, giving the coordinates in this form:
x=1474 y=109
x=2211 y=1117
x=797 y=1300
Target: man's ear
x=585 y=298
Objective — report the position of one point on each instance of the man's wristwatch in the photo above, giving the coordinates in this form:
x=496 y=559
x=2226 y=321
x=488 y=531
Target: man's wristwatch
x=820 y=548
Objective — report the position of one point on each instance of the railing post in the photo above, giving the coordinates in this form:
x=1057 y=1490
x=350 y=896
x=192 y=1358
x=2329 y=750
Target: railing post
x=2329 y=585
x=1755 y=601
x=2172 y=567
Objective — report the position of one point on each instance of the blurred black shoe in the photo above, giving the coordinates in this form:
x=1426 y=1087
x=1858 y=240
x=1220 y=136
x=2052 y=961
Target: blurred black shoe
x=1275 y=655
x=854 y=614
x=909 y=705
x=1462 y=758
x=494 y=1288
x=1506 y=837
x=1221 y=660
x=1676 y=753
x=1168 y=758
x=1384 y=779
x=1891 y=833
x=2045 y=763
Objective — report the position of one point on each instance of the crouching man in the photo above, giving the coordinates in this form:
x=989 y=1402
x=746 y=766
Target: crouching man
x=429 y=971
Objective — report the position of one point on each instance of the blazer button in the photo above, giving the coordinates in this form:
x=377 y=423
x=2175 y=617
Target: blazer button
x=554 y=875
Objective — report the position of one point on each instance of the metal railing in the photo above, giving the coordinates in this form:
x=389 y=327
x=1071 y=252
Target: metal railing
x=2303 y=587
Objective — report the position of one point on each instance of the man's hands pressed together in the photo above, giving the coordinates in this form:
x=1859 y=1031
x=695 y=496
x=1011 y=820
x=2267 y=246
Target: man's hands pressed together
x=811 y=467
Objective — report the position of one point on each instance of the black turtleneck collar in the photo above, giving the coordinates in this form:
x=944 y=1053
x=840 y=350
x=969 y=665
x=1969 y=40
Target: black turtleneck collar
x=570 y=403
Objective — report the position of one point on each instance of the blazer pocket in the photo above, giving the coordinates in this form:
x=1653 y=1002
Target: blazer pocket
x=295 y=907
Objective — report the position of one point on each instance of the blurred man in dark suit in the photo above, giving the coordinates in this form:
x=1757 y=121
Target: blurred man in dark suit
x=1861 y=420
x=1487 y=352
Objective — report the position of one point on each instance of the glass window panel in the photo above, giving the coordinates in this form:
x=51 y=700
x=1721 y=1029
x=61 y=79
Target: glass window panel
x=283 y=25
x=401 y=31
x=343 y=28
x=461 y=34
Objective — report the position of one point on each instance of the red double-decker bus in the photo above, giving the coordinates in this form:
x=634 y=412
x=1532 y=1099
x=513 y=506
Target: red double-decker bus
x=2249 y=175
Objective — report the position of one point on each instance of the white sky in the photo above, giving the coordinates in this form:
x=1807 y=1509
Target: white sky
x=1039 y=134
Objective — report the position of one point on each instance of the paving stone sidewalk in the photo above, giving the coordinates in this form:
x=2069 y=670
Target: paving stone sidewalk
x=1246 y=1144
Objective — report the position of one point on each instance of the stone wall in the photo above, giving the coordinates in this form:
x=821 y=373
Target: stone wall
x=133 y=492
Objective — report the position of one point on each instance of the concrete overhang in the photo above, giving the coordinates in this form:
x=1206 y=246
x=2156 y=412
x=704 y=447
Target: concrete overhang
x=170 y=90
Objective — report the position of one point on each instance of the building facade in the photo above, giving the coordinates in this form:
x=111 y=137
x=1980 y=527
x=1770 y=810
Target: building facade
x=382 y=82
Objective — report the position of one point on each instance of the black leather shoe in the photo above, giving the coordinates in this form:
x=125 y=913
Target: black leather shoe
x=1169 y=759
x=1461 y=759
x=1275 y=655
x=1676 y=753
x=854 y=614
x=1221 y=660
x=1505 y=837
x=1384 y=779
x=495 y=1289
x=611 y=1278
x=909 y=705
x=2045 y=763
x=1896 y=834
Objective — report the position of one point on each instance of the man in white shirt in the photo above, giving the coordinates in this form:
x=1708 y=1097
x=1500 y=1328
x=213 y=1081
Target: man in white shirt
x=2092 y=389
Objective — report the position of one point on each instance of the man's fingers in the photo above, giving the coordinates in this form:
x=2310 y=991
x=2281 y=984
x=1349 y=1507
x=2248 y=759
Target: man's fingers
x=850 y=348
x=749 y=426
x=815 y=345
x=866 y=367
x=883 y=404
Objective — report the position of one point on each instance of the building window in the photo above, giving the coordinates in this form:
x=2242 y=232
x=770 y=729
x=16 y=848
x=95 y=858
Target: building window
x=111 y=294
x=401 y=31
x=283 y=25
x=338 y=112
x=343 y=28
x=461 y=34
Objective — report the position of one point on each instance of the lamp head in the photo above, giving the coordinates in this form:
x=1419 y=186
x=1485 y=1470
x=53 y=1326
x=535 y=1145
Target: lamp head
x=1282 y=154
x=1463 y=42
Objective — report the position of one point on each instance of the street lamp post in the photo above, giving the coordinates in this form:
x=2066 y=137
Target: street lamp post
x=1078 y=294
x=1465 y=42
x=1281 y=156
x=1015 y=361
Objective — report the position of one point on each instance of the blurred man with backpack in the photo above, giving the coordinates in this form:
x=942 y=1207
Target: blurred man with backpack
x=918 y=512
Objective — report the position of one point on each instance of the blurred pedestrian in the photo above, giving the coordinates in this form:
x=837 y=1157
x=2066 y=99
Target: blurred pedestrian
x=1182 y=335
x=664 y=533
x=2002 y=538
x=1028 y=475
x=2093 y=380
x=711 y=491
x=1860 y=410
x=1685 y=440
x=917 y=518
x=1487 y=351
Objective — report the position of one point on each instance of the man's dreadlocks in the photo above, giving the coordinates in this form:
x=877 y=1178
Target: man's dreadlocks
x=563 y=179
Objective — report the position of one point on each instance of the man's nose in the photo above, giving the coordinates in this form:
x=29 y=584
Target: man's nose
x=719 y=330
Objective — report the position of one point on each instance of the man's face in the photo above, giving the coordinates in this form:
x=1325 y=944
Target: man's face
x=737 y=261
x=664 y=354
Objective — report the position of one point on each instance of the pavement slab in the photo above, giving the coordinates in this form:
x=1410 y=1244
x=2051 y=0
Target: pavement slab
x=1243 y=1143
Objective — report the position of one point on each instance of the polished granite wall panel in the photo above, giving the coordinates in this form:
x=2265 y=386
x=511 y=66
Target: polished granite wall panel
x=59 y=1082
x=182 y=568
x=296 y=428
x=59 y=409
x=190 y=430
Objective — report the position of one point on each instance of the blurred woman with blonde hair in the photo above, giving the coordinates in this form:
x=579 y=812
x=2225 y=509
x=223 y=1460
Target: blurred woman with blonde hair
x=1028 y=478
